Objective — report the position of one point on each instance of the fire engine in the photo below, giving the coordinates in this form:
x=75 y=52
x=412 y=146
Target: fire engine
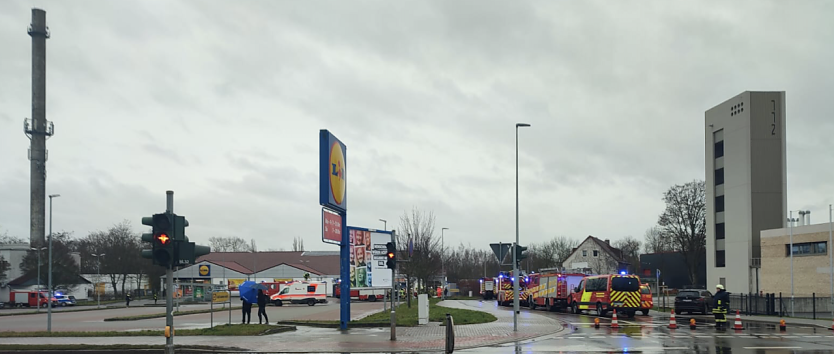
x=505 y=290
x=603 y=293
x=552 y=290
x=487 y=288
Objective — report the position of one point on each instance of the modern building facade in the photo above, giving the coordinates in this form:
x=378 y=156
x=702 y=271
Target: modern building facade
x=746 y=185
x=811 y=260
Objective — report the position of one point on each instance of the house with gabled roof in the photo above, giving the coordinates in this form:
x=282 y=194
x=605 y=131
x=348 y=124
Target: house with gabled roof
x=596 y=256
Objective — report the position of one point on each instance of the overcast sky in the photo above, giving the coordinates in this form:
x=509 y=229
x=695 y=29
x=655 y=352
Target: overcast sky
x=222 y=102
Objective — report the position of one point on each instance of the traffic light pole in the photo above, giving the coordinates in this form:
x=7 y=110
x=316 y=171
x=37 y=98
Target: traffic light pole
x=169 y=284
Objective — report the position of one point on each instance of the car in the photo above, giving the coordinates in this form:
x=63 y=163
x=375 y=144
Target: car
x=65 y=300
x=693 y=300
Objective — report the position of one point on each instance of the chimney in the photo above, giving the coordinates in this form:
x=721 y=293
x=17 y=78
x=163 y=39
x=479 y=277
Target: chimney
x=807 y=217
x=607 y=241
x=801 y=218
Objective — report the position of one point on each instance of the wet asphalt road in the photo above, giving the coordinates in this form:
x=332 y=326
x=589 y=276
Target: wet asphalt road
x=651 y=334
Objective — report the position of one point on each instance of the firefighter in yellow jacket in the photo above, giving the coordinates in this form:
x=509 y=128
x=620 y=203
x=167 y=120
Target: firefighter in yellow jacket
x=720 y=307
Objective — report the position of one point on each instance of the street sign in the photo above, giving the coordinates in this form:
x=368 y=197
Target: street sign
x=500 y=249
x=331 y=227
x=220 y=296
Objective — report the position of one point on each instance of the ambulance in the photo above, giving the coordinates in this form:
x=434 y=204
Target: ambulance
x=301 y=292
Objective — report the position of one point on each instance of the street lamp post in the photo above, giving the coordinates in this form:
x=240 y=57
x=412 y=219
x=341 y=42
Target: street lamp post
x=385 y=224
x=791 y=220
x=39 y=273
x=98 y=278
x=515 y=261
x=49 y=300
x=831 y=256
x=442 y=264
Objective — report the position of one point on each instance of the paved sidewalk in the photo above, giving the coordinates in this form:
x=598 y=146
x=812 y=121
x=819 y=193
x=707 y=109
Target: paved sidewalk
x=324 y=340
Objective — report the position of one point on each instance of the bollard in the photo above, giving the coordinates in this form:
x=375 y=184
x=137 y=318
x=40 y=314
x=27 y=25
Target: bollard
x=450 y=334
x=692 y=323
x=393 y=325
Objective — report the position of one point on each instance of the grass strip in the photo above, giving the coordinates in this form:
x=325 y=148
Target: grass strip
x=219 y=330
x=407 y=317
x=176 y=313
x=45 y=311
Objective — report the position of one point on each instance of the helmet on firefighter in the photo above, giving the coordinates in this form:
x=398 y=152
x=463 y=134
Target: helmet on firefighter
x=719 y=286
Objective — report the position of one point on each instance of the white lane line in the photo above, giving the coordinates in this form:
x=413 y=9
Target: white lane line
x=576 y=337
x=703 y=336
x=772 y=347
x=597 y=337
x=812 y=336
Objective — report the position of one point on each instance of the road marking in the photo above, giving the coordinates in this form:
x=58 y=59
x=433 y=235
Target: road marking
x=576 y=337
x=703 y=336
x=812 y=336
x=772 y=347
x=597 y=337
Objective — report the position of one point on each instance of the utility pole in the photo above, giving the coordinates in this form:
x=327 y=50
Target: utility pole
x=169 y=284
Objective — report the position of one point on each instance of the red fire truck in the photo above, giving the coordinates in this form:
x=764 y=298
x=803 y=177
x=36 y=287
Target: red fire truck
x=487 y=288
x=31 y=298
x=552 y=290
x=505 y=290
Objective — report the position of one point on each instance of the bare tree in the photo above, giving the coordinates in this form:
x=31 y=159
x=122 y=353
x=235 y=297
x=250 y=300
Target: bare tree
x=631 y=252
x=65 y=270
x=229 y=244
x=4 y=267
x=122 y=248
x=418 y=226
x=297 y=244
x=684 y=222
x=655 y=241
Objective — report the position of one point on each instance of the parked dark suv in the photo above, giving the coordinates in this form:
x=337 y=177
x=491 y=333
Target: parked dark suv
x=693 y=300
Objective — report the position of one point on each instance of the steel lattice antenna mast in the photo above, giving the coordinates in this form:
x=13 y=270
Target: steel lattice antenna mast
x=38 y=129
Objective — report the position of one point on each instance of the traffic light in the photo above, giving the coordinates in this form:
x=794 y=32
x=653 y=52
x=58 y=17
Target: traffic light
x=520 y=253
x=188 y=252
x=391 y=255
x=162 y=242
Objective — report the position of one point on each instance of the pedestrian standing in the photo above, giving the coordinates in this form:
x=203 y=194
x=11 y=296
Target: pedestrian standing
x=127 y=299
x=720 y=307
x=247 y=311
x=262 y=306
x=154 y=298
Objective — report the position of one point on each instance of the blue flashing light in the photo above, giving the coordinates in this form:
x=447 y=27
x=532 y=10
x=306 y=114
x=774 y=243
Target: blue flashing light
x=623 y=272
x=481 y=280
x=526 y=279
x=513 y=278
x=501 y=276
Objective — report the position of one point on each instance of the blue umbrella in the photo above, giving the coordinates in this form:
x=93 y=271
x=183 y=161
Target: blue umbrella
x=249 y=291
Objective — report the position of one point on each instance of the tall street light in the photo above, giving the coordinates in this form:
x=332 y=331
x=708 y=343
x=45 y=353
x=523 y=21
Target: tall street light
x=385 y=224
x=831 y=256
x=39 y=271
x=49 y=300
x=442 y=264
x=98 y=278
x=515 y=261
x=791 y=220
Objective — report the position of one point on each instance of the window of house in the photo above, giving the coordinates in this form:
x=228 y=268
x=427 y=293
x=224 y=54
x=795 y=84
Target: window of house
x=719 y=149
x=818 y=248
x=719 y=259
x=719 y=231
x=719 y=176
x=596 y=253
x=584 y=253
x=719 y=204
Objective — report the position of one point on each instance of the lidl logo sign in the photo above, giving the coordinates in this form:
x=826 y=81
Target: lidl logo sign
x=205 y=270
x=332 y=172
x=337 y=173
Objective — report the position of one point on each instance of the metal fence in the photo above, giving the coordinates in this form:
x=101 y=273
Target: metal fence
x=777 y=304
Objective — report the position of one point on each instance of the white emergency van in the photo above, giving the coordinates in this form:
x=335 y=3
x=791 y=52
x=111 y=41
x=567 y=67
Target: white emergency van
x=301 y=292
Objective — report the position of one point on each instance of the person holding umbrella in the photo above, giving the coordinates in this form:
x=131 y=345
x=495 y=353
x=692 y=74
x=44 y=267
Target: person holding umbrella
x=247 y=310
x=262 y=306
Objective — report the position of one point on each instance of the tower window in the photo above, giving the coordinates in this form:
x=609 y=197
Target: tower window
x=719 y=231
x=719 y=149
x=719 y=259
x=719 y=176
x=719 y=204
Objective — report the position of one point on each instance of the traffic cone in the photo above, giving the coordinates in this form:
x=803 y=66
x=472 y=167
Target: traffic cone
x=832 y=325
x=596 y=322
x=737 y=325
x=692 y=323
x=782 y=326
x=614 y=323
x=673 y=324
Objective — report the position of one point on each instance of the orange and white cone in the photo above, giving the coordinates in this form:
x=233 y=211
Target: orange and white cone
x=737 y=325
x=614 y=323
x=673 y=324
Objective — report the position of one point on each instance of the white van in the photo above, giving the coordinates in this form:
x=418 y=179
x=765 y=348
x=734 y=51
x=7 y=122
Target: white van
x=301 y=292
